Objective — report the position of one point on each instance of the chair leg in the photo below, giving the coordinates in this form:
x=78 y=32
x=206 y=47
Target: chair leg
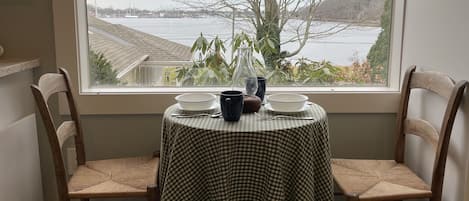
x=153 y=193
x=156 y=154
x=352 y=197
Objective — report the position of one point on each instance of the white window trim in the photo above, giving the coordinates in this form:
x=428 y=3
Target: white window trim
x=70 y=45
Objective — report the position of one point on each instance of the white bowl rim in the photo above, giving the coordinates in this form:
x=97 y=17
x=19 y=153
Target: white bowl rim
x=304 y=98
x=210 y=97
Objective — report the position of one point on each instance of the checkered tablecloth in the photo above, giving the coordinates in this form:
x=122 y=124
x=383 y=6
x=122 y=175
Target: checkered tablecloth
x=204 y=159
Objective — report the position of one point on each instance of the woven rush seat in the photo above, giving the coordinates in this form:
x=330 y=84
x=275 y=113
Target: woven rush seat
x=378 y=180
x=123 y=177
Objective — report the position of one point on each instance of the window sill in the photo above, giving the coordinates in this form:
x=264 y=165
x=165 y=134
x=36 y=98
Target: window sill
x=175 y=90
x=139 y=102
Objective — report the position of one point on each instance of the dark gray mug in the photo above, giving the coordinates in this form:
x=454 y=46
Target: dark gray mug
x=231 y=104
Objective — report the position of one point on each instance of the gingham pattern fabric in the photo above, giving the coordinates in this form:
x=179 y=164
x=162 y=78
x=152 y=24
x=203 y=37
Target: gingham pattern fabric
x=204 y=159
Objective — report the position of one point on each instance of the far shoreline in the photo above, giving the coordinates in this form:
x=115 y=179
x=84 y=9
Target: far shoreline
x=365 y=23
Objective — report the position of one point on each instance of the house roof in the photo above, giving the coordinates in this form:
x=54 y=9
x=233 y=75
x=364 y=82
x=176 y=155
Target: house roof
x=127 y=48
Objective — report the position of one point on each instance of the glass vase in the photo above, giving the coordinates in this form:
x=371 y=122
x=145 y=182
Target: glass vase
x=244 y=76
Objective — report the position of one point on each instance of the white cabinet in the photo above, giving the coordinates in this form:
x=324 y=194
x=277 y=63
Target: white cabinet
x=20 y=173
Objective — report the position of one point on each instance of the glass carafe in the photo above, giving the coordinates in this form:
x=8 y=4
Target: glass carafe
x=244 y=76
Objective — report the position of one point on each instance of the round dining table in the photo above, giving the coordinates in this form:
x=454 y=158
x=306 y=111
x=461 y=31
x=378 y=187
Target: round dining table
x=257 y=158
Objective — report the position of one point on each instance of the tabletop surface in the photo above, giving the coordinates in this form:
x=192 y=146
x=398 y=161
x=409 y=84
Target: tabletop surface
x=249 y=122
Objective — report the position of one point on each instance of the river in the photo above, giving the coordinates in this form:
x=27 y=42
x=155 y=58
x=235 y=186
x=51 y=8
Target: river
x=340 y=48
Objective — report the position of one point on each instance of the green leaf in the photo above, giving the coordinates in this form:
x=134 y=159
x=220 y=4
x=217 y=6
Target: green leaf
x=271 y=44
x=194 y=46
x=256 y=46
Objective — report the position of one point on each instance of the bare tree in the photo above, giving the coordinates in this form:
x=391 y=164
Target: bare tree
x=270 y=18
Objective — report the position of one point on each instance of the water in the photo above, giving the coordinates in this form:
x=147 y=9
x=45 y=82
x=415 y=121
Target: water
x=340 y=48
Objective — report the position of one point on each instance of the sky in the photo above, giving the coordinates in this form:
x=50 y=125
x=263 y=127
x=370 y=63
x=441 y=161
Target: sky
x=140 y=4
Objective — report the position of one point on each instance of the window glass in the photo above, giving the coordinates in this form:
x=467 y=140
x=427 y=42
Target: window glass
x=194 y=43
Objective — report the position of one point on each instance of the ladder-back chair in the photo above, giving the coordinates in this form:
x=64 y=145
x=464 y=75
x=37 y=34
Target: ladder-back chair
x=124 y=177
x=392 y=179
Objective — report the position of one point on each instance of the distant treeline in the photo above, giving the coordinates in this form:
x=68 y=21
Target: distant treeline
x=354 y=11
x=174 y=13
x=361 y=11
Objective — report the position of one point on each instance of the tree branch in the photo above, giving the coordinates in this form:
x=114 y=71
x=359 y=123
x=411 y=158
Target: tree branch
x=309 y=19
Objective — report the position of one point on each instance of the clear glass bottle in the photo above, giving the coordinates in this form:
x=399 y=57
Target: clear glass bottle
x=244 y=76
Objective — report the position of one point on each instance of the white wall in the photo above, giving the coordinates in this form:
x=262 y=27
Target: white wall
x=436 y=38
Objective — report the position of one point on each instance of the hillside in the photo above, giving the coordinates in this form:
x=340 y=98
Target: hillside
x=360 y=11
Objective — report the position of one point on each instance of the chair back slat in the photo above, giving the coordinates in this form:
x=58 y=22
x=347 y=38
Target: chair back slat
x=423 y=129
x=52 y=83
x=65 y=131
x=436 y=82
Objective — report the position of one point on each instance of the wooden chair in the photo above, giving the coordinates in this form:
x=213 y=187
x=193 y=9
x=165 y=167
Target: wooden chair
x=391 y=179
x=124 y=177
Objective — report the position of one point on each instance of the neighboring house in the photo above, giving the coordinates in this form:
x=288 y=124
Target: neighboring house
x=138 y=57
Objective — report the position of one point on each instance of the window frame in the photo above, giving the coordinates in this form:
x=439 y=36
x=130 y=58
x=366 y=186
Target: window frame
x=71 y=43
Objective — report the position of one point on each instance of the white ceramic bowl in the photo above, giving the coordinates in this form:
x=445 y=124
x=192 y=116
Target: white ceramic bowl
x=287 y=101
x=196 y=101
